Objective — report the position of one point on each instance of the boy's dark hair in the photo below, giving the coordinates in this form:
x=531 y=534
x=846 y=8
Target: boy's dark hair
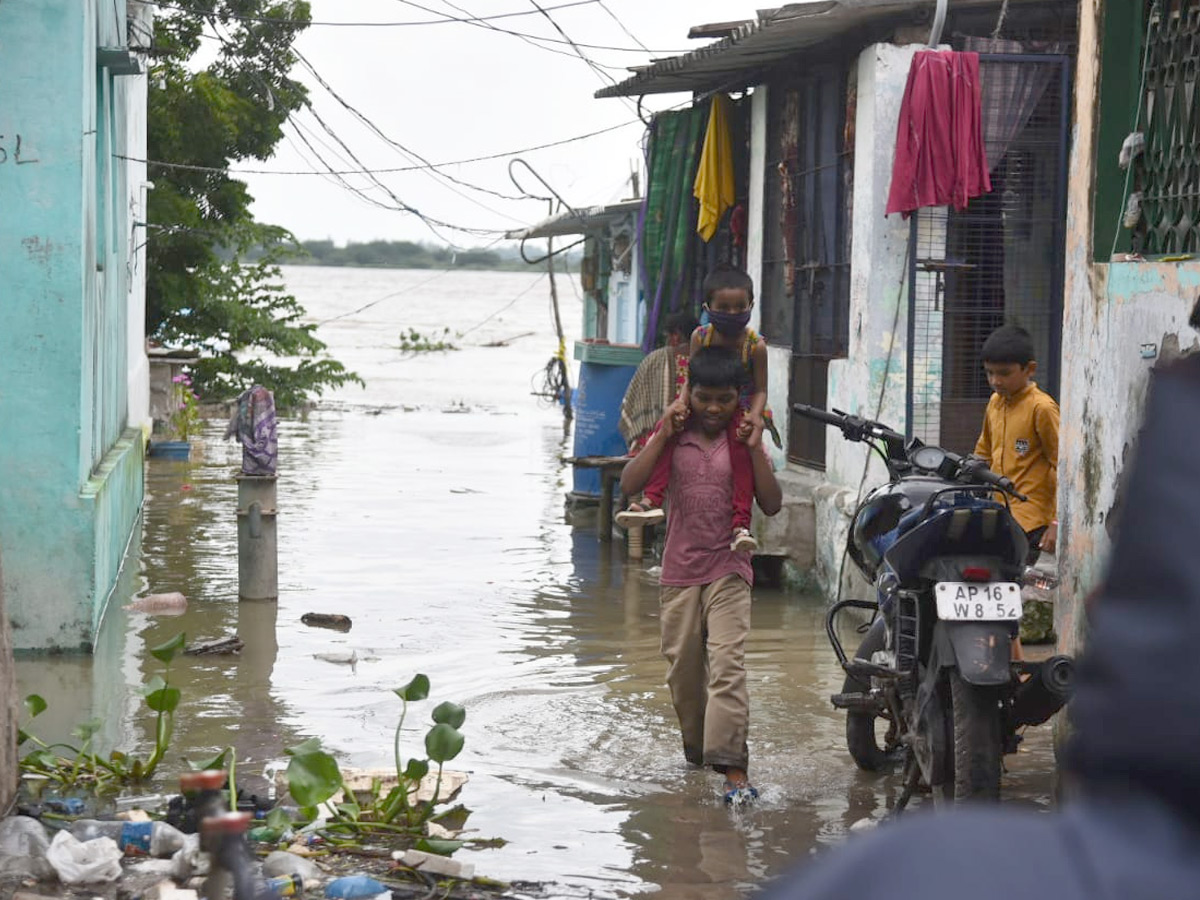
x=1008 y=344
x=727 y=276
x=681 y=322
x=716 y=367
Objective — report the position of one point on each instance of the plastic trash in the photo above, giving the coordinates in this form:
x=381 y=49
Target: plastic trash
x=23 y=846
x=156 y=839
x=282 y=863
x=286 y=886
x=147 y=802
x=435 y=864
x=173 y=603
x=357 y=887
x=83 y=862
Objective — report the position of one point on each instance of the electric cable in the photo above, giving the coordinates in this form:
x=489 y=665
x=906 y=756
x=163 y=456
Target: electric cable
x=444 y=20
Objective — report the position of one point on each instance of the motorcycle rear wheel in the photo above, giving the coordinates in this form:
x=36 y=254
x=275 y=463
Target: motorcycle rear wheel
x=977 y=739
x=861 y=738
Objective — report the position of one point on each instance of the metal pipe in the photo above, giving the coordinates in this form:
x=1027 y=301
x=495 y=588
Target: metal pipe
x=939 y=22
x=258 y=556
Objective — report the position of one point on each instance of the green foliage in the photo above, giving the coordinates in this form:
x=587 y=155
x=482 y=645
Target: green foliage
x=185 y=418
x=213 y=279
x=415 y=342
x=80 y=766
x=314 y=778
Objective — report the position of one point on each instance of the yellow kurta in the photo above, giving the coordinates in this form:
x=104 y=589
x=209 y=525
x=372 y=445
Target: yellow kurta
x=1020 y=441
x=714 y=176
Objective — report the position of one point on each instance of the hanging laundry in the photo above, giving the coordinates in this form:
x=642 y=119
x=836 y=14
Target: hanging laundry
x=940 y=158
x=714 y=176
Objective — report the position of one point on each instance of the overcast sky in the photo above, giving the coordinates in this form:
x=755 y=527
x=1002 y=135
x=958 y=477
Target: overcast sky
x=453 y=91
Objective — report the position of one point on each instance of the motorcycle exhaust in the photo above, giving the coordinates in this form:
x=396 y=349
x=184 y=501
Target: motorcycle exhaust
x=1044 y=694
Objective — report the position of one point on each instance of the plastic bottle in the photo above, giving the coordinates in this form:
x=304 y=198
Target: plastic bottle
x=156 y=839
x=357 y=887
x=286 y=886
x=1039 y=579
x=148 y=803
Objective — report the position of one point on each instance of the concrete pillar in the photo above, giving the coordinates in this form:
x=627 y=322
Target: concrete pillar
x=258 y=558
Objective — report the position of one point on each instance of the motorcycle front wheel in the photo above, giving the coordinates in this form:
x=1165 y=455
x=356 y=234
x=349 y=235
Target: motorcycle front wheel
x=977 y=739
x=861 y=738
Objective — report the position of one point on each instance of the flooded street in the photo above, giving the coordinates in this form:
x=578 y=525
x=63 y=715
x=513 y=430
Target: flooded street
x=428 y=507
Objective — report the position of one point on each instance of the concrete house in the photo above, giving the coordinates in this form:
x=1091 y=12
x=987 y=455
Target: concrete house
x=74 y=393
x=879 y=315
x=1132 y=269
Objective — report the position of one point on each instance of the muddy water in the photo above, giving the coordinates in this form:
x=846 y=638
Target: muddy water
x=428 y=508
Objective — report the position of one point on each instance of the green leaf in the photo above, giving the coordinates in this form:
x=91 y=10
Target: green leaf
x=163 y=700
x=164 y=653
x=442 y=848
x=443 y=743
x=416 y=769
x=86 y=730
x=312 y=745
x=350 y=810
x=455 y=818
x=417 y=689
x=450 y=714
x=313 y=778
x=309 y=813
x=217 y=762
x=279 y=819
x=22 y=736
x=35 y=704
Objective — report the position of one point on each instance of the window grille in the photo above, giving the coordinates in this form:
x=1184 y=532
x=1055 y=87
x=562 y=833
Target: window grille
x=1166 y=174
x=997 y=261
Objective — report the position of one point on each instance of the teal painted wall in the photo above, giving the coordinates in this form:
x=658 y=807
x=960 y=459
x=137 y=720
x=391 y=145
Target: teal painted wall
x=70 y=473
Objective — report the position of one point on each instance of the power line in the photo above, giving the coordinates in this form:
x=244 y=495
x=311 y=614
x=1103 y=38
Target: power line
x=621 y=25
x=386 y=170
x=443 y=20
x=427 y=166
x=531 y=39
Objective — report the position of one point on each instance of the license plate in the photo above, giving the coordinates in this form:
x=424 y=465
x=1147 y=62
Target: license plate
x=963 y=601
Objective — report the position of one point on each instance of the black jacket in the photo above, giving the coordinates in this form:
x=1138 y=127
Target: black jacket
x=1135 y=833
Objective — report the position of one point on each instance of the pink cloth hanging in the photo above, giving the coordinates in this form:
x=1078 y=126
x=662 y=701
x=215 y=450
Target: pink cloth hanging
x=940 y=158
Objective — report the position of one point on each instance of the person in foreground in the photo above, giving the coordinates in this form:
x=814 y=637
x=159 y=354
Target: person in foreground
x=704 y=604
x=1133 y=830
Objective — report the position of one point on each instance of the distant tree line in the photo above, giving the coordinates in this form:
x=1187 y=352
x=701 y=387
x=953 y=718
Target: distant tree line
x=411 y=255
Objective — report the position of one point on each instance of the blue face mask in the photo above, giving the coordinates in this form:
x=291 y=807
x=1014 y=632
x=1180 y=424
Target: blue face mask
x=729 y=324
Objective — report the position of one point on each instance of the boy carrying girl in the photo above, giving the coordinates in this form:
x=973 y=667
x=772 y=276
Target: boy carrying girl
x=705 y=584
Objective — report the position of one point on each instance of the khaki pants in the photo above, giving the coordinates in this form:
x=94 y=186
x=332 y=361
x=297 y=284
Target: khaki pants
x=704 y=631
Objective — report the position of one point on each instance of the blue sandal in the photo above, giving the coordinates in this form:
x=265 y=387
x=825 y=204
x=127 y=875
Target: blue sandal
x=740 y=795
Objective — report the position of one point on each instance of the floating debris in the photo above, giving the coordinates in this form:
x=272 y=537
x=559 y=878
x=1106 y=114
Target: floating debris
x=221 y=646
x=170 y=604
x=327 y=620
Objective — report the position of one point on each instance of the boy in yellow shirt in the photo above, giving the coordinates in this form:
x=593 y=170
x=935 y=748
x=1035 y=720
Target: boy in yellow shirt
x=1020 y=435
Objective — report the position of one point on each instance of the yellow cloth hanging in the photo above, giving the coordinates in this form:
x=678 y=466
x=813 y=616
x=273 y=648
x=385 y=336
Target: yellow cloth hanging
x=714 y=177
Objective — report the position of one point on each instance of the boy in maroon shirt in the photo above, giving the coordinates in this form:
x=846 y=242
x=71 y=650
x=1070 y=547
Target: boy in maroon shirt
x=705 y=594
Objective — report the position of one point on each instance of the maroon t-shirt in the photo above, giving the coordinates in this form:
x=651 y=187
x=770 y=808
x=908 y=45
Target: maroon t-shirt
x=700 y=518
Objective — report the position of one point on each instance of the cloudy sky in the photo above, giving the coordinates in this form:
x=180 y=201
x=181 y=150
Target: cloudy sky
x=454 y=91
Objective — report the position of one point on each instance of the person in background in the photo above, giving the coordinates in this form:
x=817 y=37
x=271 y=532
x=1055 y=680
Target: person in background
x=728 y=300
x=704 y=603
x=657 y=382
x=1019 y=439
x=1133 y=827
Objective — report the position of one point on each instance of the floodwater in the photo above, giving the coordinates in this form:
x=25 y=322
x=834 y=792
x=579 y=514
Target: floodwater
x=428 y=507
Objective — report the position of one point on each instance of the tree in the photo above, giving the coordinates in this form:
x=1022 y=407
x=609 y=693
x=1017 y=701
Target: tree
x=213 y=278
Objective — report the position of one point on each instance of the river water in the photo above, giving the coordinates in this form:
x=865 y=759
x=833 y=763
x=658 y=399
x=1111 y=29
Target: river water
x=428 y=507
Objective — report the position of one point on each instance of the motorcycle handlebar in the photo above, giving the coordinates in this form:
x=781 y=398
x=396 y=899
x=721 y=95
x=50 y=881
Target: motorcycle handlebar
x=979 y=471
x=819 y=415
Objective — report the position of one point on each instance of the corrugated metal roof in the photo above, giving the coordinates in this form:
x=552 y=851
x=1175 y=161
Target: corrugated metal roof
x=777 y=34
x=578 y=222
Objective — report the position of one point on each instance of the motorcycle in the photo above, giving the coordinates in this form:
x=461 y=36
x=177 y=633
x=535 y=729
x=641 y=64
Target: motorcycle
x=947 y=560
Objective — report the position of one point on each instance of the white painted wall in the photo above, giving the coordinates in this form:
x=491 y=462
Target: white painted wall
x=754 y=211
x=875 y=365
